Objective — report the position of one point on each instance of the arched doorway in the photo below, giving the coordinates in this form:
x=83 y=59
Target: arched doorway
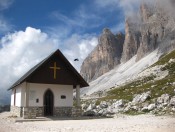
x=48 y=103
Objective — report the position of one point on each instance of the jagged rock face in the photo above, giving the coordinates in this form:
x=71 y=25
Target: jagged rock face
x=146 y=11
x=104 y=57
x=132 y=42
x=154 y=28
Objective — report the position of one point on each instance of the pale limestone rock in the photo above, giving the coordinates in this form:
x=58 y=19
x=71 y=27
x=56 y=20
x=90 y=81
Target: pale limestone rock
x=144 y=109
x=153 y=28
x=103 y=104
x=140 y=98
x=118 y=104
x=172 y=101
x=163 y=99
x=151 y=107
x=90 y=107
x=104 y=57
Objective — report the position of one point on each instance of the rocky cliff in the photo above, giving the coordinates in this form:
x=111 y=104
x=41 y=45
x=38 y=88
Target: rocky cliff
x=152 y=28
x=104 y=57
x=132 y=42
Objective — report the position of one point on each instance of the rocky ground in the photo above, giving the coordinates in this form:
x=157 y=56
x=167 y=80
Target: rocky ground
x=153 y=91
x=140 y=104
x=120 y=123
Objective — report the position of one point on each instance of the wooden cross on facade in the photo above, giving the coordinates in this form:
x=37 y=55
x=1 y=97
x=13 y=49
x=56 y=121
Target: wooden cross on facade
x=55 y=68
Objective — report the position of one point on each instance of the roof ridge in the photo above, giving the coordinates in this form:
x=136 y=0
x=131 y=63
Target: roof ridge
x=34 y=68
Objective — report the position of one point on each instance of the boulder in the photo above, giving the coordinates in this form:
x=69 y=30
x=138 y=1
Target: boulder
x=118 y=104
x=164 y=98
x=145 y=96
x=128 y=107
x=100 y=112
x=103 y=104
x=90 y=113
x=151 y=107
x=144 y=109
x=140 y=98
x=108 y=112
x=172 y=101
x=84 y=106
x=90 y=107
x=160 y=106
x=135 y=107
x=98 y=107
x=173 y=109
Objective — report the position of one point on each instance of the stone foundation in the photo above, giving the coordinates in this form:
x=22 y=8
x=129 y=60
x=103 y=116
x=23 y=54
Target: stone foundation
x=26 y=112
x=77 y=111
x=29 y=112
x=62 y=111
x=33 y=112
x=39 y=111
x=16 y=111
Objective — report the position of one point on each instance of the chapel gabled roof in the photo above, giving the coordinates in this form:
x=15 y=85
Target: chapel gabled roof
x=26 y=77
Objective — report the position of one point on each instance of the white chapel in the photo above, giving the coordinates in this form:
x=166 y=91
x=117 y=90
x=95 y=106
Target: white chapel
x=47 y=89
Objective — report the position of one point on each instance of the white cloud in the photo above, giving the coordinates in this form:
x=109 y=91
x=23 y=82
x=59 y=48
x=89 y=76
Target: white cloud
x=118 y=28
x=130 y=6
x=21 y=50
x=127 y=6
x=79 y=47
x=4 y=25
x=80 y=18
x=4 y=4
x=168 y=6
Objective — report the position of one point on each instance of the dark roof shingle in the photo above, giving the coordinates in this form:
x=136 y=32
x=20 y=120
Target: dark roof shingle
x=32 y=70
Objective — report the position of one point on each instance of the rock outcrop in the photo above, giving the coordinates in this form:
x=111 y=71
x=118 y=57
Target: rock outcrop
x=152 y=28
x=132 y=42
x=104 y=57
x=158 y=106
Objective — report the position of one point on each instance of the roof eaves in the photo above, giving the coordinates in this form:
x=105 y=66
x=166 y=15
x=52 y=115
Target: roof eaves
x=29 y=73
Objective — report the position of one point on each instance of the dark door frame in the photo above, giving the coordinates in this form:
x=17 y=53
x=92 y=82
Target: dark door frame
x=48 y=103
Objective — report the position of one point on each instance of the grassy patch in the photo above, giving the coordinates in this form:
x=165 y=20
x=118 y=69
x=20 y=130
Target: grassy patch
x=157 y=88
x=164 y=59
x=134 y=112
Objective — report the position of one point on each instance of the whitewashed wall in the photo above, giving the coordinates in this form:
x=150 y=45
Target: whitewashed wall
x=36 y=91
x=12 y=98
x=18 y=97
x=18 y=100
x=23 y=90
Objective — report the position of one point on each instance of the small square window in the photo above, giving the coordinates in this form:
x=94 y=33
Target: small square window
x=37 y=100
x=63 y=96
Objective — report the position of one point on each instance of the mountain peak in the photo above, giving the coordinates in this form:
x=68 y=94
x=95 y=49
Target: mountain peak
x=104 y=57
x=106 y=31
x=146 y=31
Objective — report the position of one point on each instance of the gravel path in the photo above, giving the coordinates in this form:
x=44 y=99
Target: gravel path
x=120 y=123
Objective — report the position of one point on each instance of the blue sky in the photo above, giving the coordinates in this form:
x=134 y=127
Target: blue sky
x=31 y=29
x=80 y=16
